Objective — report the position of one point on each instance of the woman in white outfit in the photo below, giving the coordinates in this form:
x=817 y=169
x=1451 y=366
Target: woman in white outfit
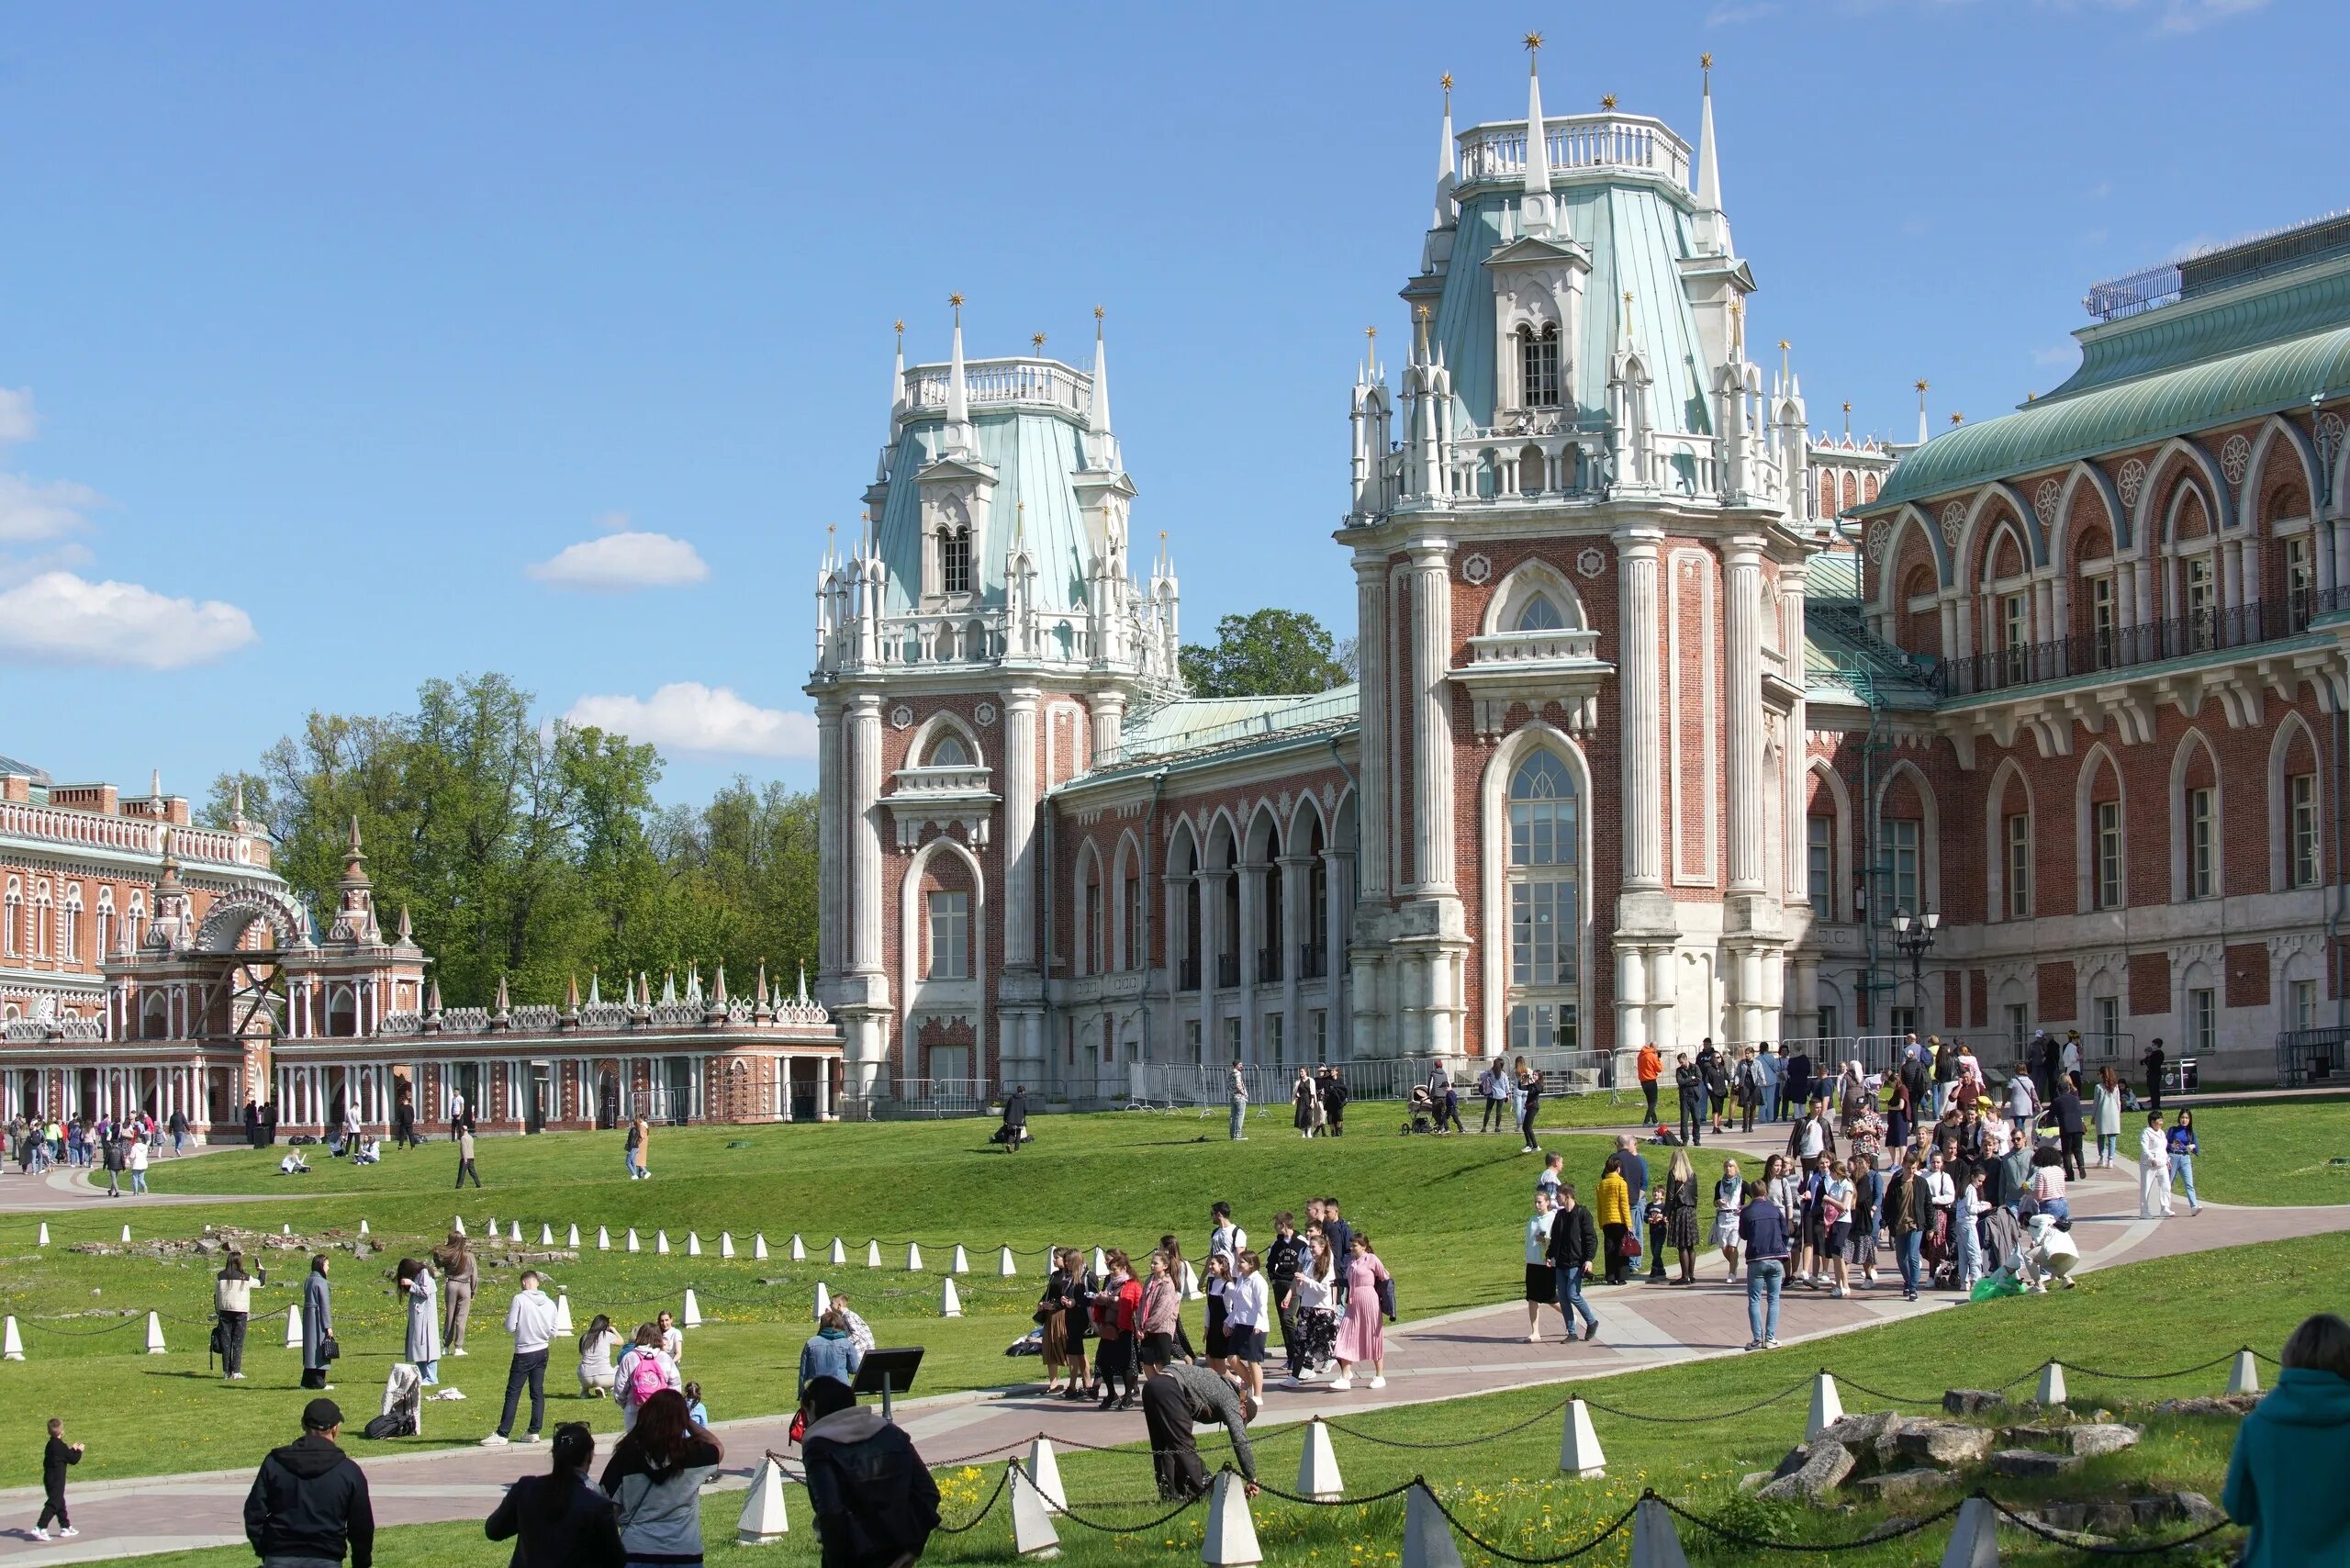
x=2109 y=1118
x=2153 y=1169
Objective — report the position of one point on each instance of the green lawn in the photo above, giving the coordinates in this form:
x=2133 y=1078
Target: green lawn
x=2145 y=1317
x=2270 y=1151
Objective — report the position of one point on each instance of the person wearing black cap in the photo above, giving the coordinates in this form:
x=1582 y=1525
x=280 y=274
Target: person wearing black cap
x=309 y=1504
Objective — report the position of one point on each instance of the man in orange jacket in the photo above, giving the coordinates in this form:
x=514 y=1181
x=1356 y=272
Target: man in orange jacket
x=1651 y=1067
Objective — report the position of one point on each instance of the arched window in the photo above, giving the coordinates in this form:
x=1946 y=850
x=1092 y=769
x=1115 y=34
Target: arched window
x=11 y=916
x=954 y=560
x=155 y=1017
x=1545 y=905
x=105 y=924
x=1537 y=367
x=134 y=925
x=42 y=909
x=1540 y=614
x=69 y=926
x=948 y=752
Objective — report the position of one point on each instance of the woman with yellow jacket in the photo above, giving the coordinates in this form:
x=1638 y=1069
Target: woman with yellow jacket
x=1614 y=1212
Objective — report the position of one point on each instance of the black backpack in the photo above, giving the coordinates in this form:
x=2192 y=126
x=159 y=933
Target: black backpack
x=393 y=1424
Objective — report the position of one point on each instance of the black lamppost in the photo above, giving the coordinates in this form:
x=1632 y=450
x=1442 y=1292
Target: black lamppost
x=1913 y=938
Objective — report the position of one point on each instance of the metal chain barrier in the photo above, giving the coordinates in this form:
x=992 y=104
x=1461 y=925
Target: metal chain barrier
x=1763 y=1543
x=985 y=1509
x=1271 y=1490
x=2032 y=1527
x=1459 y=1443
x=2145 y=1377
x=1719 y=1415
x=1490 y=1550
x=35 y=1323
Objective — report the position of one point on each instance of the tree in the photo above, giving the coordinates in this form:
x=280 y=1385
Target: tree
x=1266 y=652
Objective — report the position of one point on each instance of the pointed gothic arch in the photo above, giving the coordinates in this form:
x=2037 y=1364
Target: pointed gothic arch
x=2097 y=761
x=1999 y=502
x=2204 y=469
x=2100 y=484
x=1827 y=786
x=922 y=748
x=2193 y=745
x=1496 y=840
x=1929 y=873
x=1998 y=871
x=1531 y=581
x=2281 y=826
x=2273 y=429
x=912 y=941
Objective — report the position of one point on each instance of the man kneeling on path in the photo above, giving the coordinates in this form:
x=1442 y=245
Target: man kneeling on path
x=310 y=1499
x=1176 y=1399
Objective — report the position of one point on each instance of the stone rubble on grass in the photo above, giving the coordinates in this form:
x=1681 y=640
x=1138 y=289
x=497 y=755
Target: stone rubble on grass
x=1947 y=1445
x=1824 y=1467
x=2031 y=1464
x=2094 y=1438
x=1901 y=1483
x=1973 y=1402
x=2224 y=1405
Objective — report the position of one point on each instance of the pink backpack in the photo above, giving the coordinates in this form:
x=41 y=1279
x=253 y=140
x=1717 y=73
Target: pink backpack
x=645 y=1379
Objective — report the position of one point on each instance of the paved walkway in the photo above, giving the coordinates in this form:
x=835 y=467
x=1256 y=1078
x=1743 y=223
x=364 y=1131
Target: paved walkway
x=62 y=1188
x=1467 y=1353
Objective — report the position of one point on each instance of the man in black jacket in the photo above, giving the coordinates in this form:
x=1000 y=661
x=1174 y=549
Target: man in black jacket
x=2067 y=1106
x=1015 y=1131
x=1287 y=1254
x=1574 y=1246
x=310 y=1499
x=875 y=1502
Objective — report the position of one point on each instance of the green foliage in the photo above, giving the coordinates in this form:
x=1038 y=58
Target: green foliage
x=1266 y=652
x=532 y=849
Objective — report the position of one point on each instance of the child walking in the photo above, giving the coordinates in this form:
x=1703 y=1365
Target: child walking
x=53 y=1461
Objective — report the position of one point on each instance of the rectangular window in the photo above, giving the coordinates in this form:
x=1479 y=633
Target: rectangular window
x=1819 y=864
x=1232 y=1039
x=1318 y=1028
x=2201 y=851
x=2108 y=815
x=1538 y=365
x=954 y=560
x=2200 y=627
x=2018 y=1024
x=950 y=936
x=2300 y=1000
x=2105 y=1024
x=1831 y=1020
x=1276 y=1048
x=2103 y=629
x=2300 y=799
x=2203 y=1021
x=1541 y=934
x=2300 y=582
x=2018 y=867
x=1191 y=1040
x=1901 y=843
x=1904 y=1020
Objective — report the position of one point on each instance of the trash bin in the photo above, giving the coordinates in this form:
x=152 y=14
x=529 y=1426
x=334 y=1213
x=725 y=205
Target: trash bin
x=2187 y=1075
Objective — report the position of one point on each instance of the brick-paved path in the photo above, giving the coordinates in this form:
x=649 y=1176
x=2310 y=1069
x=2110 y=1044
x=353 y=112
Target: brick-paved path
x=1467 y=1352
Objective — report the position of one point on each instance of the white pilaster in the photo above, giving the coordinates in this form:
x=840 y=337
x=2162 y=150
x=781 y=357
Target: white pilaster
x=1432 y=783
x=1637 y=682
x=1743 y=582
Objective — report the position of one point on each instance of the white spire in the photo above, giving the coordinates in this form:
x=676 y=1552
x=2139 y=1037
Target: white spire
x=958 y=411
x=1713 y=228
x=897 y=396
x=1097 y=416
x=1924 y=435
x=1447 y=172
x=1537 y=143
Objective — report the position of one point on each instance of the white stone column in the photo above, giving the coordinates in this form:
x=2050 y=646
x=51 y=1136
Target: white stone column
x=1793 y=757
x=1109 y=711
x=1297 y=873
x=1019 y=827
x=1631 y=1008
x=1432 y=783
x=1743 y=583
x=1667 y=1028
x=829 y=879
x=1212 y=944
x=1253 y=925
x=1342 y=877
x=864 y=833
x=1637 y=682
x=1372 y=814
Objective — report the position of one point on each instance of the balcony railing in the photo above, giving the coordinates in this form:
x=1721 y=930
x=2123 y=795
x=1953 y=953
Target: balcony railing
x=2126 y=647
x=1227 y=969
x=1187 y=974
x=1313 y=963
x=1577 y=141
x=1269 y=966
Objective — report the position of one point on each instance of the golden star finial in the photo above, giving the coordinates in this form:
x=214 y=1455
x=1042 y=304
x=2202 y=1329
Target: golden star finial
x=1097 y=313
x=1421 y=311
x=956 y=301
x=1705 y=61
x=900 y=324
x=1848 y=405
x=1447 y=81
x=1607 y=100
x=1038 y=340
x=1784 y=345
x=1371 y=332
x=1533 y=43
x=1921 y=384
x=1956 y=417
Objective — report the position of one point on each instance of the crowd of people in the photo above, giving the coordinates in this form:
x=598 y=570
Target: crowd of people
x=120 y=1148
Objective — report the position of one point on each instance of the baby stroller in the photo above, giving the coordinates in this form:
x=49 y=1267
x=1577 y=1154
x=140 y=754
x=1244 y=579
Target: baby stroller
x=1423 y=1108
x=403 y=1412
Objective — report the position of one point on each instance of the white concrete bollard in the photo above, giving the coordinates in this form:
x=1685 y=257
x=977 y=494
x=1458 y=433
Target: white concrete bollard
x=293 y=1328
x=154 y=1335
x=873 y=1254
x=1044 y=1474
x=1231 y=1539
x=1827 y=1406
x=727 y=1244
x=950 y=1304
x=562 y=1312
x=362 y=1228
x=44 y=1233
x=285 y=1229
x=12 y=1344
x=693 y=1244
x=2052 y=1383
x=962 y=1263
x=458 y=1224
x=546 y=1234
x=1974 y=1536
x=691 y=1317
x=1190 y=1282
x=1004 y=1267
x=1655 y=1542
x=913 y=1258
x=759 y=1247
x=1033 y=1534
x=1427 y=1534
x=1579 y=1448
x=799 y=1249
x=1317 y=1467
x=764 y=1521
x=630 y=1243
x=823 y=1301
x=492 y=1227
x=661 y=1243
x=571 y=1239
x=603 y=1240
x=126 y=1233
x=2244 y=1376
x=1100 y=1268
x=514 y=1231
x=839 y=1252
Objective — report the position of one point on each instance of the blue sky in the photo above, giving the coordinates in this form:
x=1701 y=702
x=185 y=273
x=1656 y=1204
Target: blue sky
x=338 y=346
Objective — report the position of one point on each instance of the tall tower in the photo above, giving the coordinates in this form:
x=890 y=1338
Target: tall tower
x=1580 y=575
x=979 y=642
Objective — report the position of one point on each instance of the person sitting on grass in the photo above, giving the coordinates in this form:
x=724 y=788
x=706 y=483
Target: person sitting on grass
x=2284 y=1473
x=293 y=1164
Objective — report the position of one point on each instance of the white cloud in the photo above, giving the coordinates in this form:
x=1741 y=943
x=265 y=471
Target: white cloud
x=689 y=716
x=58 y=618
x=14 y=569
x=31 y=510
x=624 y=558
x=17 y=420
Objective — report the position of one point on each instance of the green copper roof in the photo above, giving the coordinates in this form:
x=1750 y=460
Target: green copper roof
x=1035 y=456
x=2232 y=355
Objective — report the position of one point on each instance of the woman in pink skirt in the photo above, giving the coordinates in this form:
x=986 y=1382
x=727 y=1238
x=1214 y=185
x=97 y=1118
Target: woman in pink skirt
x=1360 y=1339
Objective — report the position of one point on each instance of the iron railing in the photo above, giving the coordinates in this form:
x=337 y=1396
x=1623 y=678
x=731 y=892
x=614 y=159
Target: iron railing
x=1312 y=961
x=2306 y=1057
x=1269 y=966
x=2126 y=647
x=1228 y=970
x=1187 y=973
